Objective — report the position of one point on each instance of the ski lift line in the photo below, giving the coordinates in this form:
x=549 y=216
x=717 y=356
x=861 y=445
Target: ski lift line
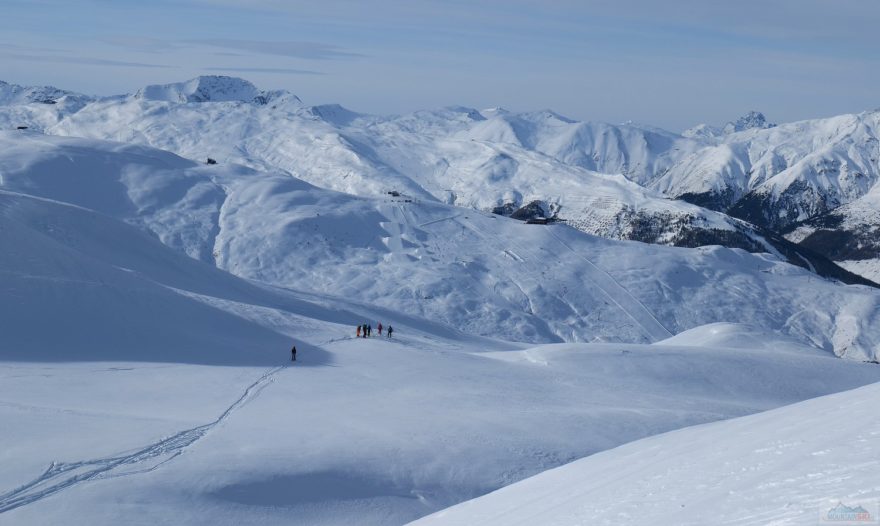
x=438 y=220
x=657 y=330
x=400 y=214
x=640 y=306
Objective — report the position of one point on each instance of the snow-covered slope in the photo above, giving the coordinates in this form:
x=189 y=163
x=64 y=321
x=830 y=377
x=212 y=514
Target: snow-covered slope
x=847 y=234
x=794 y=465
x=778 y=176
x=638 y=152
x=474 y=271
x=731 y=336
x=36 y=106
x=13 y=94
x=79 y=287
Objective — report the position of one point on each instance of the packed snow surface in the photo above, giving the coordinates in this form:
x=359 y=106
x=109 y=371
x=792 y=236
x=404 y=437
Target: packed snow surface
x=794 y=465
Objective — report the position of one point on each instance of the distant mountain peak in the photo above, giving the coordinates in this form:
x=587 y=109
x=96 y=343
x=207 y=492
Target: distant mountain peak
x=471 y=113
x=498 y=110
x=751 y=120
x=548 y=114
x=702 y=131
x=277 y=97
x=213 y=88
x=15 y=94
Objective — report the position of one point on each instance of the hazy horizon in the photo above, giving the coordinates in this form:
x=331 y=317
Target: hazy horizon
x=673 y=65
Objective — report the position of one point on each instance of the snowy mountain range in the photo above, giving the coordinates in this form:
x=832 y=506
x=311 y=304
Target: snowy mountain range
x=151 y=300
x=614 y=181
x=464 y=268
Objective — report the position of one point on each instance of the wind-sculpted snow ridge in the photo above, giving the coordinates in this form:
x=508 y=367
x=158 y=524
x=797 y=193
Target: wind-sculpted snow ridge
x=792 y=465
x=473 y=271
x=63 y=475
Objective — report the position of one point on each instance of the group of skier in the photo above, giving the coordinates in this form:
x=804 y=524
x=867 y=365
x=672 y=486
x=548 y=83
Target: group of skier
x=363 y=331
x=366 y=330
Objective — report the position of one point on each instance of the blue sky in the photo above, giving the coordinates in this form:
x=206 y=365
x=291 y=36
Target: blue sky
x=672 y=64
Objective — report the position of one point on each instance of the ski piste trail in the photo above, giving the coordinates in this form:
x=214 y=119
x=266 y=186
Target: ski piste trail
x=63 y=475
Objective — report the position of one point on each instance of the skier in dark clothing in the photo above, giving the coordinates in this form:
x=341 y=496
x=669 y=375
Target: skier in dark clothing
x=369 y=330
x=380 y=328
x=390 y=330
x=293 y=354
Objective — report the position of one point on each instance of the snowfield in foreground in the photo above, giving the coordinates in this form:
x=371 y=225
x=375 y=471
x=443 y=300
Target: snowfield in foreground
x=792 y=465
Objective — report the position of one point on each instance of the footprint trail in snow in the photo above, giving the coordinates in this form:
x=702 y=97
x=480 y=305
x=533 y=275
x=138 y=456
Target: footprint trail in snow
x=63 y=475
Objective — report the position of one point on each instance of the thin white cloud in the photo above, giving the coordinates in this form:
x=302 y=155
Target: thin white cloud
x=307 y=50
x=142 y=43
x=284 y=71
x=79 y=60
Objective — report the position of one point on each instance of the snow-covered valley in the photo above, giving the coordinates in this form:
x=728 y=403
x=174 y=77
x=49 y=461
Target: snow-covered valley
x=150 y=301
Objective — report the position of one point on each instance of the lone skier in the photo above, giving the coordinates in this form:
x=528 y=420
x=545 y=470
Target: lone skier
x=293 y=354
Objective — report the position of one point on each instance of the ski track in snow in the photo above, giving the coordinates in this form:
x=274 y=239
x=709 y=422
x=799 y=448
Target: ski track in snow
x=63 y=475
x=602 y=280
x=621 y=297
